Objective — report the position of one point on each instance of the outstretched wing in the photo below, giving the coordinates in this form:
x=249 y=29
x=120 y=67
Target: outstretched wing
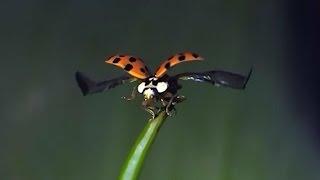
x=89 y=86
x=134 y=66
x=219 y=78
x=176 y=59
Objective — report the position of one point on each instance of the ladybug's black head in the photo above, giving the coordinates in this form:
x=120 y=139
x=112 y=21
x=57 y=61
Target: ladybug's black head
x=152 y=86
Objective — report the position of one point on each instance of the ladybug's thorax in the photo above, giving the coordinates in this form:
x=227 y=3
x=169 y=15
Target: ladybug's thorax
x=152 y=86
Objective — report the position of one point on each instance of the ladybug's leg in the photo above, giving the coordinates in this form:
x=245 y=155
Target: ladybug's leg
x=170 y=106
x=132 y=96
x=151 y=111
x=163 y=102
x=170 y=110
x=149 y=106
x=179 y=99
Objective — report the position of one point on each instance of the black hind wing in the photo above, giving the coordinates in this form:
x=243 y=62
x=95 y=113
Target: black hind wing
x=219 y=78
x=89 y=86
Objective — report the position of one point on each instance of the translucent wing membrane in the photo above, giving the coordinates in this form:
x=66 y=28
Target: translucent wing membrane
x=89 y=86
x=134 y=66
x=176 y=59
x=219 y=78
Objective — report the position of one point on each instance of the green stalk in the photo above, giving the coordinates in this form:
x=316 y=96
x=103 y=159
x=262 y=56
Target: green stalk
x=132 y=166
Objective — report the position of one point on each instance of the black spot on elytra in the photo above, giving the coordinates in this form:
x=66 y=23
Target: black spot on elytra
x=142 y=70
x=132 y=59
x=121 y=55
x=181 y=57
x=128 y=67
x=195 y=55
x=116 y=60
x=167 y=66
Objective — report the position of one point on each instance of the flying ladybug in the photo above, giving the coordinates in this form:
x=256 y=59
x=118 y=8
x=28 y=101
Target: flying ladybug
x=159 y=90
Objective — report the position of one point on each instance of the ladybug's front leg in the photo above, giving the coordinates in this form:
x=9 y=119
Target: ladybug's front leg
x=152 y=111
x=132 y=95
x=149 y=106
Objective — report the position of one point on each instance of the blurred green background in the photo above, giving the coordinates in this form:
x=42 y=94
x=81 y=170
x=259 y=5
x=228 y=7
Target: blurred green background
x=49 y=131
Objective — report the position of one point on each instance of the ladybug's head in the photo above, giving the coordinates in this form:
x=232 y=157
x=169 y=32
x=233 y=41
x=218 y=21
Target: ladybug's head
x=151 y=86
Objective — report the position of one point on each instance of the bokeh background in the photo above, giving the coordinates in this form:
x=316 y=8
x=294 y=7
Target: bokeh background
x=49 y=131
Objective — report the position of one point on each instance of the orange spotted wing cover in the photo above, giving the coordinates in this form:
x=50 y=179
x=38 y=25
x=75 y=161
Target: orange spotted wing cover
x=176 y=59
x=133 y=65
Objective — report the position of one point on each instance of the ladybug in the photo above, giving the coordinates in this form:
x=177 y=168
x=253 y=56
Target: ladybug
x=160 y=91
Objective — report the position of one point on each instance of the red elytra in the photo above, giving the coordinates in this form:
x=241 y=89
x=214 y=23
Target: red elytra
x=136 y=67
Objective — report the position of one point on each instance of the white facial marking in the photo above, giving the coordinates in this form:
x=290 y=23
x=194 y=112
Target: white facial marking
x=148 y=93
x=162 y=86
x=153 y=79
x=141 y=87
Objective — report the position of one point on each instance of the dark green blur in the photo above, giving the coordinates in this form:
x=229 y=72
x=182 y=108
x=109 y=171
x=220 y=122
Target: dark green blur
x=49 y=131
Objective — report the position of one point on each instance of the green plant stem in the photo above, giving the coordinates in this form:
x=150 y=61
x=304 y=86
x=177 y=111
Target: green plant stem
x=132 y=166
